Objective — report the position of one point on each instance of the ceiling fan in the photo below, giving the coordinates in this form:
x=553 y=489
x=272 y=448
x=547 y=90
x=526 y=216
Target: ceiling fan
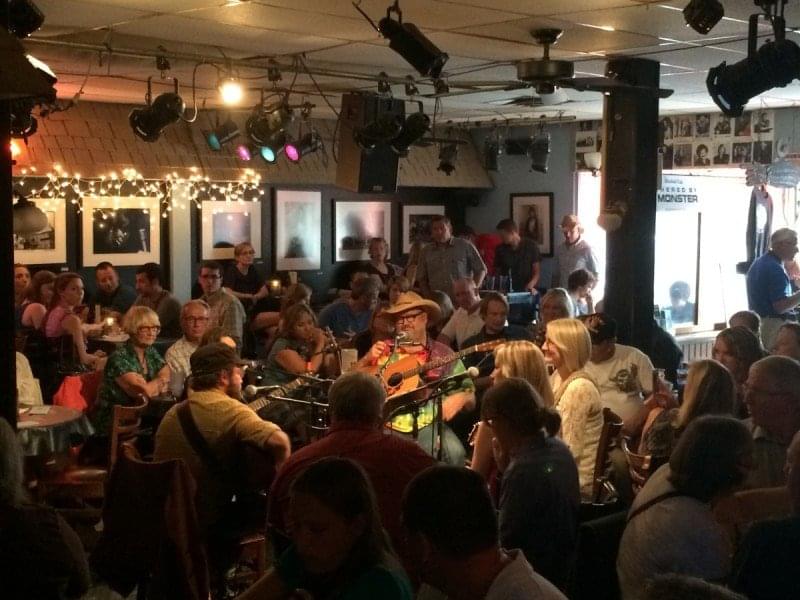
x=546 y=76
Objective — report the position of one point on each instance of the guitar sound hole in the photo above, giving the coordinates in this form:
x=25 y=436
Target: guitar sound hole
x=395 y=379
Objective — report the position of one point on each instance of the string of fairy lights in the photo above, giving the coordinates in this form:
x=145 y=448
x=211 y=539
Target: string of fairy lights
x=58 y=187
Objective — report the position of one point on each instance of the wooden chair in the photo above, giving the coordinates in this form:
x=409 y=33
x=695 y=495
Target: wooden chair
x=88 y=482
x=640 y=466
x=612 y=427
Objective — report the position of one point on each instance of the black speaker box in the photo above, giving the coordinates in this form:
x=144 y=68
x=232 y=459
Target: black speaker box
x=366 y=171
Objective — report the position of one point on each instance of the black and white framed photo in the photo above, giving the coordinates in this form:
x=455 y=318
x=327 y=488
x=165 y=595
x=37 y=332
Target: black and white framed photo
x=355 y=223
x=417 y=220
x=49 y=245
x=298 y=230
x=225 y=224
x=533 y=214
x=125 y=231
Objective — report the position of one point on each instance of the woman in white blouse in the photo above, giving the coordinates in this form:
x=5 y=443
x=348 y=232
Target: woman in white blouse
x=567 y=348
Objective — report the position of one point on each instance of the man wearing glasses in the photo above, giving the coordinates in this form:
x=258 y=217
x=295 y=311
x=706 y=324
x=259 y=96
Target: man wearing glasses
x=412 y=314
x=225 y=309
x=772 y=395
x=194 y=322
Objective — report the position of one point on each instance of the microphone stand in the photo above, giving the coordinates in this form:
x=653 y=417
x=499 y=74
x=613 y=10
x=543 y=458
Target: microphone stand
x=395 y=346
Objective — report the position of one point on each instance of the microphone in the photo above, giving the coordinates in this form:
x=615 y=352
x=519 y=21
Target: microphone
x=251 y=391
x=402 y=338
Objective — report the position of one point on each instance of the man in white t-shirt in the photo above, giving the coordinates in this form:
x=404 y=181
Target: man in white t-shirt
x=573 y=253
x=466 y=320
x=452 y=528
x=623 y=374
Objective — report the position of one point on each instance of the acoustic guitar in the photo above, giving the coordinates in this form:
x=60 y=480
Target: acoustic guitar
x=403 y=376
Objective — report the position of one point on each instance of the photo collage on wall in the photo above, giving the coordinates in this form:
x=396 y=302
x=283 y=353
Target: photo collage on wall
x=714 y=140
x=587 y=139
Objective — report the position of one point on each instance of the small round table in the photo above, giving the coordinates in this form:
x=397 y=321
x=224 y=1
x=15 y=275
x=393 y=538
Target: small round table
x=51 y=433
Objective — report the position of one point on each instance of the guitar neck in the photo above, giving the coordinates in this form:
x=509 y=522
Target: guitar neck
x=441 y=361
x=260 y=403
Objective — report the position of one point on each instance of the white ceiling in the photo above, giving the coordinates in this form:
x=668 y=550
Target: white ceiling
x=483 y=38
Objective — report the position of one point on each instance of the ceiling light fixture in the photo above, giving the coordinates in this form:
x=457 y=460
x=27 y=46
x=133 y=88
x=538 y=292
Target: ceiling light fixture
x=28 y=218
x=410 y=87
x=491 y=151
x=382 y=130
x=703 y=15
x=24 y=17
x=148 y=123
x=310 y=142
x=774 y=64
x=440 y=86
x=23 y=123
x=384 y=87
x=409 y=42
x=448 y=153
x=231 y=91
x=222 y=134
x=244 y=152
x=415 y=126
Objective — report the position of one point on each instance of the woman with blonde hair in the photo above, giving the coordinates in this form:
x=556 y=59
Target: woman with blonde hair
x=567 y=348
x=710 y=390
x=242 y=279
x=555 y=304
x=524 y=360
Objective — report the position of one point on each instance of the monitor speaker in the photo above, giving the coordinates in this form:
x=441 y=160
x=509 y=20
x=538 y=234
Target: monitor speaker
x=359 y=170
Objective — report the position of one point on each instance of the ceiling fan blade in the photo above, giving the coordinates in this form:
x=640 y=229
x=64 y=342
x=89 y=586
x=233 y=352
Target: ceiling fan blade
x=606 y=84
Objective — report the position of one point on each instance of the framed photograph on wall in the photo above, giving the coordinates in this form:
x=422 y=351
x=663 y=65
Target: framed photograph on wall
x=48 y=246
x=225 y=224
x=417 y=223
x=533 y=214
x=355 y=223
x=298 y=230
x=125 y=231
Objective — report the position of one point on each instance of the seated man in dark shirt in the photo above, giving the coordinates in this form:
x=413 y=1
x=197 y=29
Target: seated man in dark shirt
x=111 y=294
x=539 y=489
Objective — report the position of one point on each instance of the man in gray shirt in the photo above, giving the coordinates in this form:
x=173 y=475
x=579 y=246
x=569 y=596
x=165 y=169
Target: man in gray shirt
x=573 y=254
x=149 y=278
x=447 y=259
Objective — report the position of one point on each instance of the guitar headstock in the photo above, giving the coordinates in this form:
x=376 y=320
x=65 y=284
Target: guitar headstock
x=486 y=346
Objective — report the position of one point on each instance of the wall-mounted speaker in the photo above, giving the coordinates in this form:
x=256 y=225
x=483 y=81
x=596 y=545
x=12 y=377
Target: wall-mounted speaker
x=366 y=170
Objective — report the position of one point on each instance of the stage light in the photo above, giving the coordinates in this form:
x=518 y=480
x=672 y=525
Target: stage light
x=415 y=126
x=23 y=123
x=775 y=64
x=491 y=153
x=222 y=134
x=310 y=142
x=15 y=149
x=24 y=17
x=262 y=126
x=231 y=91
x=703 y=15
x=243 y=152
x=539 y=152
x=382 y=130
x=440 y=87
x=384 y=87
x=28 y=218
x=447 y=158
x=410 y=43
x=411 y=88
x=149 y=122
x=270 y=154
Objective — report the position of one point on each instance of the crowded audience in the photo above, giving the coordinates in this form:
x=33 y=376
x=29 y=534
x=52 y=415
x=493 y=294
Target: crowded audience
x=344 y=467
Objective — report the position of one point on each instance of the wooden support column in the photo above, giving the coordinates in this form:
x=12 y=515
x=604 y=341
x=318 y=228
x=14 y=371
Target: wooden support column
x=8 y=364
x=629 y=172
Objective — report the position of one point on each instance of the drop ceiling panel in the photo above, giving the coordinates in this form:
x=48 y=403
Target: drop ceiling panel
x=251 y=39
x=541 y=7
x=288 y=20
x=157 y=6
x=575 y=38
x=78 y=15
x=425 y=14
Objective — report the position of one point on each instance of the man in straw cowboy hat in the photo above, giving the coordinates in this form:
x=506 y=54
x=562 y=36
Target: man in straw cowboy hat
x=412 y=314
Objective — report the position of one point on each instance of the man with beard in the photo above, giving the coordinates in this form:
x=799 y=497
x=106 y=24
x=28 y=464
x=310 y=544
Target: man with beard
x=208 y=430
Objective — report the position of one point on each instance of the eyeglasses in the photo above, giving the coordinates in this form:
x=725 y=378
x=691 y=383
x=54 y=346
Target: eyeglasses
x=409 y=316
x=196 y=320
x=149 y=328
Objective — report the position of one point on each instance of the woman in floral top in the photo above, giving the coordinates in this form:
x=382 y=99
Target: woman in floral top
x=134 y=370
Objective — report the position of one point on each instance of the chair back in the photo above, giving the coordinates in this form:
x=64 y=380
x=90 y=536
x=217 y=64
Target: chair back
x=640 y=466
x=612 y=427
x=125 y=425
x=151 y=537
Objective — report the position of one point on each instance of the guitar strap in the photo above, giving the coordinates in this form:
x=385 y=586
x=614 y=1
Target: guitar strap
x=199 y=443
